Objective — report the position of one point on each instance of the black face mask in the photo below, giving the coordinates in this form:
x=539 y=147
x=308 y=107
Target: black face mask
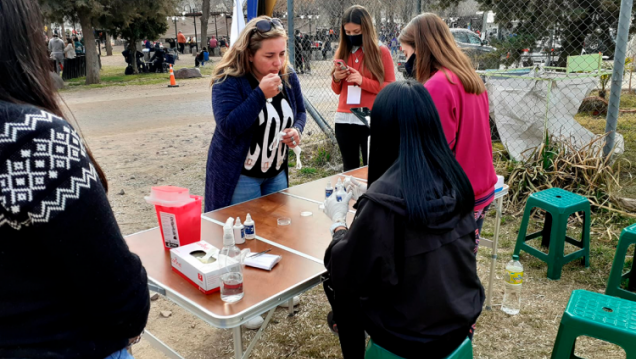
x=408 y=66
x=355 y=40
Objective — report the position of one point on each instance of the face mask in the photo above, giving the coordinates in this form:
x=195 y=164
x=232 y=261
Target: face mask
x=355 y=40
x=408 y=66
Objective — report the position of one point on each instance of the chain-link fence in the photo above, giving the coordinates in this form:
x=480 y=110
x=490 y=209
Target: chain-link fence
x=547 y=64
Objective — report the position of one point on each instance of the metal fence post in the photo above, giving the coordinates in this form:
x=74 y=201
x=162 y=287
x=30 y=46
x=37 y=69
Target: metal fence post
x=290 y=32
x=622 y=37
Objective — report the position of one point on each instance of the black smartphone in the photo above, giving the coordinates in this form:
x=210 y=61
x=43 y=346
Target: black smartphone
x=363 y=113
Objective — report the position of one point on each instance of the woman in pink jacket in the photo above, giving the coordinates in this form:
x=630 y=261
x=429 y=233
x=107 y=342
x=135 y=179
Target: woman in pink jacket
x=461 y=100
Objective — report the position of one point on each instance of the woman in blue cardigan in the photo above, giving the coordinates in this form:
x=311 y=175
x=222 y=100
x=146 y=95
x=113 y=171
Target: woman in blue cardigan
x=259 y=113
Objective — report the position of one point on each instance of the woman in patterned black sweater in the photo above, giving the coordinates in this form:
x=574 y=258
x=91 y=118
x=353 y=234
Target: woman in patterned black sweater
x=69 y=286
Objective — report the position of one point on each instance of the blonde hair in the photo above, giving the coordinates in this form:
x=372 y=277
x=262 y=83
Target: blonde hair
x=236 y=61
x=372 y=60
x=436 y=50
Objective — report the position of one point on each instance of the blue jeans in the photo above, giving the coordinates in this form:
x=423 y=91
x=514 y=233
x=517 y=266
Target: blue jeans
x=249 y=188
x=122 y=354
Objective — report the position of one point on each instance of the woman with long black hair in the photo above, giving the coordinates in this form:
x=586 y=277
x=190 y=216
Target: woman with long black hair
x=368 y=67
x=70 y=286
x=405 y=271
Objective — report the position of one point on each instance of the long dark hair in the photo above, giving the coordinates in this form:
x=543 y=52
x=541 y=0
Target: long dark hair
x=405 y=128
x=24 y=66
x=372 y=60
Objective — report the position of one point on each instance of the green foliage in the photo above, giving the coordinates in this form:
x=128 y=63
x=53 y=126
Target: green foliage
x=308 y=171
x=323 y=156
x=149 y=20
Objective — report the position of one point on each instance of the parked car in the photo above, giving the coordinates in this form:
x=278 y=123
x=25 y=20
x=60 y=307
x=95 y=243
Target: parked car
x=316 y=45
x=546 y=52
x=473 y=46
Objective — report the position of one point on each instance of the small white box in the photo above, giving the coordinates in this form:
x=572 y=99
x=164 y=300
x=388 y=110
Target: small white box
x=206 y=277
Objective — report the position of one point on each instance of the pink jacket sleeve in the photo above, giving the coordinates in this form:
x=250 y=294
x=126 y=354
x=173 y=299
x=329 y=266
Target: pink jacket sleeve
x=441 y=92
x=373 y=86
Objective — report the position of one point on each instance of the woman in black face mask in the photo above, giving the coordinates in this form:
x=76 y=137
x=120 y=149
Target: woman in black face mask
x=366 y=69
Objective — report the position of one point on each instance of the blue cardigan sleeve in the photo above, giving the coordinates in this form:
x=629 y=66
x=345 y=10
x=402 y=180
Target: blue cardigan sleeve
x=233 y=113
x=301 y=115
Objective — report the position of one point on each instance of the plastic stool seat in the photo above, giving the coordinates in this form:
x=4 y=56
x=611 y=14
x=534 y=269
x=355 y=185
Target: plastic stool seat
x=374 y=351
x=599 y=316
x=559 y=198
x=627 y=238
x=559 y=205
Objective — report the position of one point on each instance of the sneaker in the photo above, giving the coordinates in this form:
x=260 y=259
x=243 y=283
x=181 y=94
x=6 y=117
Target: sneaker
x=286 y=303
x=254 y=323
x=332 y=325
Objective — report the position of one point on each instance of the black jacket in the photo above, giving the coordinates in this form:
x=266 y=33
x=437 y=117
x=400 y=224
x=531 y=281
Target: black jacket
x=414 y=289
x=69 y=286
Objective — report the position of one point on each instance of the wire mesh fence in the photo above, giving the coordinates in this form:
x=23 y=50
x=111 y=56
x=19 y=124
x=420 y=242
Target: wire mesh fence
x=547 y=64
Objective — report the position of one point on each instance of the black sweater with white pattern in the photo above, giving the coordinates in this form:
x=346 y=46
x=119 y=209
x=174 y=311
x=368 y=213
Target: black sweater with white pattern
x=69 y=286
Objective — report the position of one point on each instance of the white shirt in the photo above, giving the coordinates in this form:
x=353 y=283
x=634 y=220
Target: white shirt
x=69 y=51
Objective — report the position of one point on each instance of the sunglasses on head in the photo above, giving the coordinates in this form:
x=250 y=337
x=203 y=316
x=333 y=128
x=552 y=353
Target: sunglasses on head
x=267 y=25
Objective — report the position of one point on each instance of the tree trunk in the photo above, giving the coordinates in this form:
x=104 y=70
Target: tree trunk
x=63 y=35
x=132 y=48
x=92 y=64
x=205 y=15
x=109 y=47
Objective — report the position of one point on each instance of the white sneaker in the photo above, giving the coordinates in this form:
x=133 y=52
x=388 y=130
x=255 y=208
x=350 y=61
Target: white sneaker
x=254 y=323
x=286 y=303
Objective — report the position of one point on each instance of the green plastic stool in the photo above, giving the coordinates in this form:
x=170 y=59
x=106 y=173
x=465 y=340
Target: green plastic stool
x=559 y=205
x=374 y=351
x=628 y=237
x=598 y=316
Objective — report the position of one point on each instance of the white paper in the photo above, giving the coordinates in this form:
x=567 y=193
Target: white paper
x=263 y=261
x=169 y=229
x=353 y=95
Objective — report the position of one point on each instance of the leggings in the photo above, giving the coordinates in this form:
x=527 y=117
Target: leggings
x=351 y=139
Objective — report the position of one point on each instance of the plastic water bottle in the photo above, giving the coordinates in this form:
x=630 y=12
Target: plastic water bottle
x=512 y=286
x=230 y=260
x=328 y=190
x=340 y=192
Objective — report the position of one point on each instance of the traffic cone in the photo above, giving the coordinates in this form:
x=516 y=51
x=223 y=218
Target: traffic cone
x=173 y=83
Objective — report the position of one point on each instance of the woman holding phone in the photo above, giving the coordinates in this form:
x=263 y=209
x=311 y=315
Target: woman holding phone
x=361 y=69
x=461 y=100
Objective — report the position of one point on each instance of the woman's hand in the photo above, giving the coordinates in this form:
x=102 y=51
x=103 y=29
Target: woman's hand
x=271 y=85
x=339 y=74
x=355 y=77
x=291 y=138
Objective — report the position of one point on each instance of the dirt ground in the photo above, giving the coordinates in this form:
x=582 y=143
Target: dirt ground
x=148 y=135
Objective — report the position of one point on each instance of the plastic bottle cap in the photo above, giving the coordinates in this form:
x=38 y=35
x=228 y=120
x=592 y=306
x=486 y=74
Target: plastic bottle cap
x=515 y=257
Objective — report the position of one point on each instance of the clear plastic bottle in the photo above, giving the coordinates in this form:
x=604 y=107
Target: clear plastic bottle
x=328 y=190
x=512 y=286
x=230 y=260
x=339 y=191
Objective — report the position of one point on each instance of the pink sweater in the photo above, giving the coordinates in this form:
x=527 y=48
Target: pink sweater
x=464 y=117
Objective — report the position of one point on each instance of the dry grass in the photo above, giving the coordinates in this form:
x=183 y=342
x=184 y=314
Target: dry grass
x=136 y=161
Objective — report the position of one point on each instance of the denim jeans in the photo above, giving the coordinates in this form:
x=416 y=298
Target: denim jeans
x=122 y=354
x=249 y=188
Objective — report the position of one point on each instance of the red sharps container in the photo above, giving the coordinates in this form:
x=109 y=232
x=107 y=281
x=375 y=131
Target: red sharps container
x=179 y=215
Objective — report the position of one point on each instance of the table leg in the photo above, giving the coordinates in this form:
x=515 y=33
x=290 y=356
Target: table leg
x=495 y=242
x=238 y=343
x=290 y=307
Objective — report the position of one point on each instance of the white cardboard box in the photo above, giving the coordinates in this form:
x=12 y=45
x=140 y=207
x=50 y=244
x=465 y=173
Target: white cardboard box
x=206 y=277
